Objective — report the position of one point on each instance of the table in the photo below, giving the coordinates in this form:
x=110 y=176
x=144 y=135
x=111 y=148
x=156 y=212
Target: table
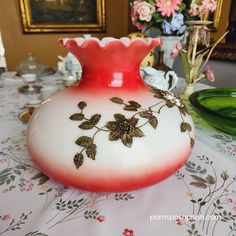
x=200 y=199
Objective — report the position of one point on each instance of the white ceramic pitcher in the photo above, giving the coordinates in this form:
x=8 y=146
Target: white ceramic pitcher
x=159 y=79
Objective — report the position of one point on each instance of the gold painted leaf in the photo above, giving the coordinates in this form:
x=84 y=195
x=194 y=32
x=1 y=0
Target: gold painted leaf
x=82 y=105
x=153 y=121
x=183 y=110
x=77 y=117
x=192 y=142
x=84 y=141
x=78 y=160
x=127 y=140
x=158 y=96
x=130 y=108
x=185 y=127
x=169 y=104
x=157 y=93
x=86 y=125
x=119 y=117
x=198 y=185
x=91 y=151
x=145 y=114
x=117 y=100
x=134 y=104
x=95 y=119
x=189 y=127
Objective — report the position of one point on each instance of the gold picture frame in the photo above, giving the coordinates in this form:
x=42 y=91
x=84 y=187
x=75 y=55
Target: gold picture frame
x=224 y=19
x=217 y=15
x=63 y=16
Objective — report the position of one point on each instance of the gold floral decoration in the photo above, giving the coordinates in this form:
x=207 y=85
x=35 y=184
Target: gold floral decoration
x=124 y=128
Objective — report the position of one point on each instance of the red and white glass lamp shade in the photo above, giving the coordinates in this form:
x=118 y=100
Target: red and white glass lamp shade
x=110 y=132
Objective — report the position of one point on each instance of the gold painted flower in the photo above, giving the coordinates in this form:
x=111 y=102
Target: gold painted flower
x=124 y=129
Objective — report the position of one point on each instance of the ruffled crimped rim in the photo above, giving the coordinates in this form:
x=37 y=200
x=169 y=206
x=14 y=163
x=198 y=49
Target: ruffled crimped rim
x=107 y=41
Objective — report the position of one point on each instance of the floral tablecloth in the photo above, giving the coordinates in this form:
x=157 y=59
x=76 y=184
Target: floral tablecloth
x=199 y=200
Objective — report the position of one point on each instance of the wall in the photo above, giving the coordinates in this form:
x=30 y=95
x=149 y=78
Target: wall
x=44 y=46
x=225 y=72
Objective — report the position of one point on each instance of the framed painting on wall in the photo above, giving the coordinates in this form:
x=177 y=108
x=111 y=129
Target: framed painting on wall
x=225 y=20
x=63 y=15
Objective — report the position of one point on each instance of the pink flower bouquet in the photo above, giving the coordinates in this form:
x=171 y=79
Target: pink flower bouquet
x=169 y=15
